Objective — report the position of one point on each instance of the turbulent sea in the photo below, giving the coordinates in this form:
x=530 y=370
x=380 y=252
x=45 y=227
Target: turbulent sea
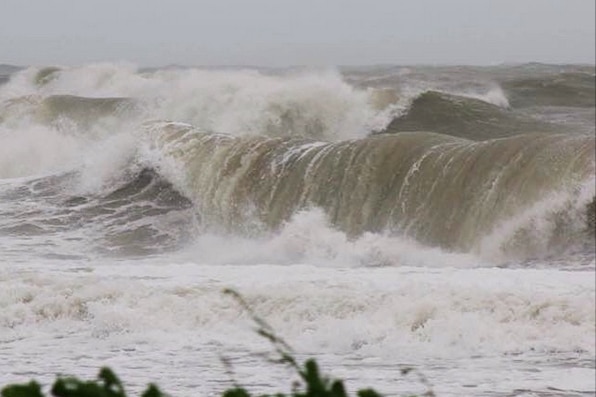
x=384 y=217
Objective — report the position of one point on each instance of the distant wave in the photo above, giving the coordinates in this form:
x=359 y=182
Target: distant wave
x=464 y=117
x=564 y=89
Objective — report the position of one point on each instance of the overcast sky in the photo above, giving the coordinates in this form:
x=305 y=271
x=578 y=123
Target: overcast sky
x=296 y=32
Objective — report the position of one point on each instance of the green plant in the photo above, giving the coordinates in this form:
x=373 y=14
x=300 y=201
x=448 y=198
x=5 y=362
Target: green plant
x=106 y=385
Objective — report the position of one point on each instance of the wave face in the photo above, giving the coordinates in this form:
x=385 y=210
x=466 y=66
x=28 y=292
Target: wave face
x=445 y=162
x=434 y=188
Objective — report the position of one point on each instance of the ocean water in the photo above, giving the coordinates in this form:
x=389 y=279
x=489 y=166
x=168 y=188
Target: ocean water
x=440 y=218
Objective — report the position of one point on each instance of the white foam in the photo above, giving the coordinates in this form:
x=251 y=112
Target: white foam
x=542 y=218
x=487 y=326
x=37 y=150
x=495 y=96
x=107 y=161
x=309 y=238
x=239 y=102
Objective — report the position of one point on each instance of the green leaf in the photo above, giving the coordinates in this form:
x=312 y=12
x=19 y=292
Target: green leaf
x=73 y=387
x=368 y=393
x=31 y=389
x=152 y=391
x=112 y=384
x=338 y=389
x=236 y=392
x=315 y=385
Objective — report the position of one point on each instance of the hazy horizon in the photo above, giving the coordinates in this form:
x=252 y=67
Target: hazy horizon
x=274 y=33
x=355 y=66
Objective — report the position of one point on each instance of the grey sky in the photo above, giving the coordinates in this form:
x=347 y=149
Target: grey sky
x=296 y=32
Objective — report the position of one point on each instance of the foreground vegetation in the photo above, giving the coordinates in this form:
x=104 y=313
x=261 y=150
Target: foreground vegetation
x=311 y=382
x=108 y=385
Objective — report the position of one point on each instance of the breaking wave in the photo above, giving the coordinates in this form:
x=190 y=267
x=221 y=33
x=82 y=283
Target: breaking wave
x=243 y=102
x=436 y=189
x=448 y=171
